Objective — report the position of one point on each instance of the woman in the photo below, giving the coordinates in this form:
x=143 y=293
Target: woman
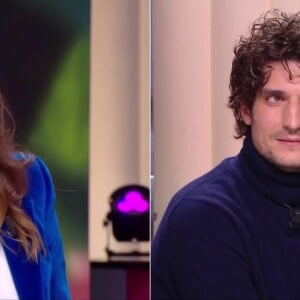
x=32 y=264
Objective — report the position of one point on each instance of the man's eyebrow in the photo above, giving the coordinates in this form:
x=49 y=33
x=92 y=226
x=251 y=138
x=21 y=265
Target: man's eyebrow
x=269 y=91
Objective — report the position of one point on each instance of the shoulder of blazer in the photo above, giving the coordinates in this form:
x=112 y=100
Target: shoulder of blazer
x=41 y=190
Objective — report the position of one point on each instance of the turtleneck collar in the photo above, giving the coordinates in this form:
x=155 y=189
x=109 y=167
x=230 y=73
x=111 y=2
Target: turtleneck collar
x=270 y=181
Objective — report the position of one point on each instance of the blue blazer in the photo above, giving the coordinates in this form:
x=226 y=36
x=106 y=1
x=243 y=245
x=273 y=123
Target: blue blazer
x=45 y=280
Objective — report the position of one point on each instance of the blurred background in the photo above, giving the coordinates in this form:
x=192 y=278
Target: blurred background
x=44 y=75
x=119 y=140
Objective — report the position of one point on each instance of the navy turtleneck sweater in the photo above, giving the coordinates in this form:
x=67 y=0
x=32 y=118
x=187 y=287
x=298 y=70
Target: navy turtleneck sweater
x=226 y=235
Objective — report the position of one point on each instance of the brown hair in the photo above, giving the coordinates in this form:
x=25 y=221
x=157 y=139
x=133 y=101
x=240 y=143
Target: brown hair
x=13 y=187
x=275 y=36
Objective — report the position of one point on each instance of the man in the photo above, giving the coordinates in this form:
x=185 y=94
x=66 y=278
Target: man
x=234 y=233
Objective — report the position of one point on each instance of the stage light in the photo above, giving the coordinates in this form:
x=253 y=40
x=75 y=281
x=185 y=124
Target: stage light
x=129 y=215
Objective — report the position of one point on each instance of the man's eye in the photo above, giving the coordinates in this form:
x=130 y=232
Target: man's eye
x=274 y=98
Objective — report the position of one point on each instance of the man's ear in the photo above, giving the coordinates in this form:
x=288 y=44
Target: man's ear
x=245 y=113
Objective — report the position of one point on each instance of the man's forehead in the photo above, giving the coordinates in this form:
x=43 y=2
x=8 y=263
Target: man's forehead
x=288 y=70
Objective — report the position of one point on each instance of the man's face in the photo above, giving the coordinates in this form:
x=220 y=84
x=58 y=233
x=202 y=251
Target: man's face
x=275 y=117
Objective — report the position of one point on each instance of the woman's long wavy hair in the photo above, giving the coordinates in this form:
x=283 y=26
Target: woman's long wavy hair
x=13 y=187
x=275 y=36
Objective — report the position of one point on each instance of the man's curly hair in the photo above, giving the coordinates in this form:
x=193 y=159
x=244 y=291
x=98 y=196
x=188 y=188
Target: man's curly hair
x=275 y=36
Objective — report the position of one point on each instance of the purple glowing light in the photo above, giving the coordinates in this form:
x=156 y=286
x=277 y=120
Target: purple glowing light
x=133 y=201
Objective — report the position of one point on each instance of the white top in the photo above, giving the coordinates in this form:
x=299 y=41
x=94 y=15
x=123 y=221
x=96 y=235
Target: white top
x=7 y=286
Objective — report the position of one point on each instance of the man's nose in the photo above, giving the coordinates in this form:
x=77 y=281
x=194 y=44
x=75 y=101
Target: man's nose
x=291 y=115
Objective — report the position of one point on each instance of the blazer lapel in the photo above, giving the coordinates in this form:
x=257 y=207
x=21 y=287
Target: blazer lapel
x=27 y=275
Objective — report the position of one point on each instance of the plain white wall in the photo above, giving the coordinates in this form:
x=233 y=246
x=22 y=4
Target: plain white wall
x=119 y=107
x=181 y=93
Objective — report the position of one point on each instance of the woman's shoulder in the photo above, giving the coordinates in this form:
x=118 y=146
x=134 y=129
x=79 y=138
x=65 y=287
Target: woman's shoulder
x=41 y=188
x=37 y=169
